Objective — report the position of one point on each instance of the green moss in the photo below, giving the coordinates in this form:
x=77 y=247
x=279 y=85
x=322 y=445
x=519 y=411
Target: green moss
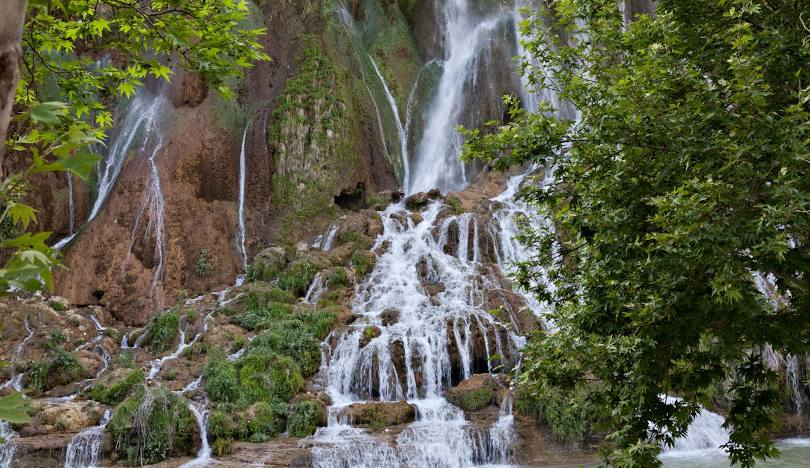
x=58 y=306
x=455 y=205
x=118 y=391
x=162 y=330
x=152 y=425
x=370 y=332
x=477 y=399
x=307 y=417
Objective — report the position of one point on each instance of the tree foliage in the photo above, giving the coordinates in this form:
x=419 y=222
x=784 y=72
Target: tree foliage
x=79 y=58
x=681 y=185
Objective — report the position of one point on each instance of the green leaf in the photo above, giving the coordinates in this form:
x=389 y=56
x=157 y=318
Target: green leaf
x=48 y=112
x=14 y=408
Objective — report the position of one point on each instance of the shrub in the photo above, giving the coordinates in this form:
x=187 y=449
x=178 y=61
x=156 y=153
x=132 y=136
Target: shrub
x=162 y=330
x=362 y=262
x=58 y=306
x=266 y=376
x=221 y=382
x=307 y=417
x=206 y=263
x=261 y=422
x=339 y=277
x=220 y=428
x=298 y=276
x=117 y=392
x=258 y=316
x=152 y=425
x=62 y=368
x=56 y=338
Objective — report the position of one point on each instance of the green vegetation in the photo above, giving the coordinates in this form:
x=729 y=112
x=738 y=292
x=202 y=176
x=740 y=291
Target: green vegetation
x=56 y=338
x=339 y=278
x=152 y=425
x=58 y=306
x=685 y=172
x=298 y=276
x=455 y=205
x=62 y=368
x=221 y=430
x=363 y=262
x=306 y=418
x=162 y=329
x=206 y=263
x=118 y=391
x=257 y=388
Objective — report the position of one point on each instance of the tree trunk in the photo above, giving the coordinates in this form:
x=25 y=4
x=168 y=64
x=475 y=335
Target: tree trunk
x=12 y=18
x=633 y=8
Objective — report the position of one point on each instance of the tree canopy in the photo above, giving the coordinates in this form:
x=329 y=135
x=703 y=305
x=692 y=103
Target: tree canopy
x=680 y=190
x=79 y=58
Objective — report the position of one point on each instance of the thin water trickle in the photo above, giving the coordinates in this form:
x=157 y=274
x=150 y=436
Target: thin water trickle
x=15 y=381
x=403 y=135
x=240 y=234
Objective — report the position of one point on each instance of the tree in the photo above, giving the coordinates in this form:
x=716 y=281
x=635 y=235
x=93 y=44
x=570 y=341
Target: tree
x=80 y=57
x=684 y=179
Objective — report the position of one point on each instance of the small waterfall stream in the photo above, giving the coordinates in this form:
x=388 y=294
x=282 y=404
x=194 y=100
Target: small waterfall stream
x=240 y=234
x=84 y=449
x=15 y=382
x=144 y=109
x=403 y=135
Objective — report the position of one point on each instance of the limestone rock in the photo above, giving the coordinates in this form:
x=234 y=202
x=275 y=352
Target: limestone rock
x=473 y=394
x=379 y=414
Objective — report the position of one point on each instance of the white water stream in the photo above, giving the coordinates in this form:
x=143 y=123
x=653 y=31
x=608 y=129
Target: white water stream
x=464 y=35
x=403 y=134
x=240 y=233
x=84 y=449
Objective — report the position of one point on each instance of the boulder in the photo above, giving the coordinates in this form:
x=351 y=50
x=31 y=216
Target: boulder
x=389 y=317
x=474 y=394
x=380 y=414
x=67 y=416
x=421 y=199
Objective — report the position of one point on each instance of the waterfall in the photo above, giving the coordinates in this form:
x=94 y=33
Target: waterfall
x=157 y=364
x=403 y=135
x=795 y=382
x=315 y=290
x=84 y=449
x=151 y=212
x=705 y=434
x=71 y=203
x=200 y=412
x=437 y=164
x=240 y=233
x=414 y=358
x=15 y=382
x=8 y=448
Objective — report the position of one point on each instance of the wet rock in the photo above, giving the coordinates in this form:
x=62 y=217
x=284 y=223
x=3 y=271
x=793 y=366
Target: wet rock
x=421 y=199
x=369 y=333
x=187 y=89
x=473 y=394
x=380 y=414
x=509 y=308
x=389 y=316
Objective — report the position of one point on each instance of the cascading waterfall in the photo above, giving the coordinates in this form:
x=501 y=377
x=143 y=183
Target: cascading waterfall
x=152 y=209
x=71 y=203
x=8 y=448
x=437 y=164
x=144 y=109
x=240 y=233
x=84 y=449
x=403 y=135
x=412 y=358
x=200 y=412
x=795 y=382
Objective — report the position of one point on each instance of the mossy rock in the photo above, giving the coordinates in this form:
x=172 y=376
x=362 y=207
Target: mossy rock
x=267 y=264
x=119 y=390
x=379 y=414
x=306 y=417
x=152 y=425
x=61 y=368
x=473 y=394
